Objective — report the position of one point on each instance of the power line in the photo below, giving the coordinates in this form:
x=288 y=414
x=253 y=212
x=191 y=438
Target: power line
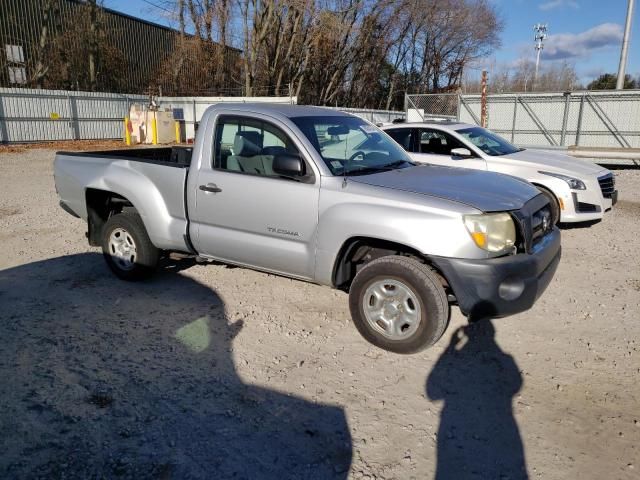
x=157 y=6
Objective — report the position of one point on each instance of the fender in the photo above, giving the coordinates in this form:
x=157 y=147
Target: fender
x=151 y=195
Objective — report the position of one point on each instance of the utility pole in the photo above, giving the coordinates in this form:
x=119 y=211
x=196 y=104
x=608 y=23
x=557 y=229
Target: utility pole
x=540 y=36
x=625 y=47
x=93 y=44
x=483 y=101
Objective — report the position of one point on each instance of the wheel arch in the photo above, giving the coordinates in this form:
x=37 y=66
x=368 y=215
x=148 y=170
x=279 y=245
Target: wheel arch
x=101 y=205
x=359 y=250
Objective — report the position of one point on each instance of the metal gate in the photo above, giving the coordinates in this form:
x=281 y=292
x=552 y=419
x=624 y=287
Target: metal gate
x=592 y=119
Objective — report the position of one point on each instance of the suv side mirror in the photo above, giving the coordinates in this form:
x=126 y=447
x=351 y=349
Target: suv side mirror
x=461 y=153
x=288 y=165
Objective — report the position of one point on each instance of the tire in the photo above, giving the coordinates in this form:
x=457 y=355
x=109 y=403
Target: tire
x=133 y=257
x=553 y=202
x=416 y=312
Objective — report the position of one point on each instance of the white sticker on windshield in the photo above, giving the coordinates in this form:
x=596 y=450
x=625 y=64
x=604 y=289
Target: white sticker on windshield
x=368 y=129
x=336 y=164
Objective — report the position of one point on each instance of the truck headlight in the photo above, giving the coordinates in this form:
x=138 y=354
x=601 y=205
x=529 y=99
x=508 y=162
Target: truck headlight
x=493 y=232
x=574 y=183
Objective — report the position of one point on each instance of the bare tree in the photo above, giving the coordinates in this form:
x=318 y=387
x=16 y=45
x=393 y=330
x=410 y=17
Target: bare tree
x=352 y=52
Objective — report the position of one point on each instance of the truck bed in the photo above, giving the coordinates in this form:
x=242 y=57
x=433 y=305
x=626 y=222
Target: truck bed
x=152 y=179
x=179 y=157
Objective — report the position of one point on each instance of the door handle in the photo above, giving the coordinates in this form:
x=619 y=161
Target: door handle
x=210 y=187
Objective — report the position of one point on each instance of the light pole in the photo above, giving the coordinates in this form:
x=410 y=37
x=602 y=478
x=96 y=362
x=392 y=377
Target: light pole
x=625 y=47
x=541 y=34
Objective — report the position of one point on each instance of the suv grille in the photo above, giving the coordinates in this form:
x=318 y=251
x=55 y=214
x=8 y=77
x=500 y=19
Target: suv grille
x=607 y=184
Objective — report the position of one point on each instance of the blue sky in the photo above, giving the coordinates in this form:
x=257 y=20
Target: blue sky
x=585 y=33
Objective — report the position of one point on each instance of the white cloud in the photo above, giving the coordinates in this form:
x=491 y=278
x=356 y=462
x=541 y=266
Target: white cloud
x=553 y=4
x=565 y=46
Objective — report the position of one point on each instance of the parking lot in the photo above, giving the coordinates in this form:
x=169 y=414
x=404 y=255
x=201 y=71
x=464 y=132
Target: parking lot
x=208 y=371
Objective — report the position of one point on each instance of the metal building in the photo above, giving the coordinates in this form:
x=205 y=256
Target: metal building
x=64 y=44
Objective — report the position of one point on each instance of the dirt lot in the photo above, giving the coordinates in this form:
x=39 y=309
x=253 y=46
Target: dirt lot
x=214 y=372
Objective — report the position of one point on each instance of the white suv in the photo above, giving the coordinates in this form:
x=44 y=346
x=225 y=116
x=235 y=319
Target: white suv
x=578 y=190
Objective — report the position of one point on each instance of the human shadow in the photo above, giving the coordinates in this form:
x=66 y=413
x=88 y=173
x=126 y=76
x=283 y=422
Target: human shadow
x=478 y=436
x=108 y=379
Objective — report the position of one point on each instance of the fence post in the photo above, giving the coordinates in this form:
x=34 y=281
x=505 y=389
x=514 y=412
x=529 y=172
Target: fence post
x=73 y=120
x=4 y=132
x=459 y=101
x=194 y=118
x=565 y=117
x=513 y=123
x=579 y=125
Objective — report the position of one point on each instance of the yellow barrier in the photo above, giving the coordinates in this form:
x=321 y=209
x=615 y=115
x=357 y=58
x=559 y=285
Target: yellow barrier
x=178 y=132
x=127 y=133
x=154 y=131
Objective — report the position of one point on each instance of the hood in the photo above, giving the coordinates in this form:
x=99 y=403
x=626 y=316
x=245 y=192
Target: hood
x=555 y=162
x=485 y=191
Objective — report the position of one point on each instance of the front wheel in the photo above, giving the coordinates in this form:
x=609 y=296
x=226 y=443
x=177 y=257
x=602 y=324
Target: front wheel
x=127 y=248
x=398 y=304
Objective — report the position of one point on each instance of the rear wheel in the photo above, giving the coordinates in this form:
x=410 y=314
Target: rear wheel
x=127 y=248
x=553 y=202
x=398 y=304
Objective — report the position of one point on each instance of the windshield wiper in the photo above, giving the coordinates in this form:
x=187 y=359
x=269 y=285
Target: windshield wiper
x=365 y=170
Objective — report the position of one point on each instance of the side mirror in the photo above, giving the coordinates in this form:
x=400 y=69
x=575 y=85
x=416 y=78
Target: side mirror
x=288 y=165
x=461 y=153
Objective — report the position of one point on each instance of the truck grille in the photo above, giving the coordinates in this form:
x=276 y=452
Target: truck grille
x=535 y=223
x=541 y=224
x=607 y=184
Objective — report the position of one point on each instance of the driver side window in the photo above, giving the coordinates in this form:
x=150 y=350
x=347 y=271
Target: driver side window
x=245 y=145
x=435 y=142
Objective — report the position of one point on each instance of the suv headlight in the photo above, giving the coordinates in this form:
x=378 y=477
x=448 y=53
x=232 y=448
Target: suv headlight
x=573 y=183
x=493 y=232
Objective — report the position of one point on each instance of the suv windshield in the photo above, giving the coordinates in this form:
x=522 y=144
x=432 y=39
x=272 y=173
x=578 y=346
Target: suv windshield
x=488 y=142
x=351 y=146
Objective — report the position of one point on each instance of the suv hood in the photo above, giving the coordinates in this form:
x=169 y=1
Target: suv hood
x=485 y=191
x=555 y=162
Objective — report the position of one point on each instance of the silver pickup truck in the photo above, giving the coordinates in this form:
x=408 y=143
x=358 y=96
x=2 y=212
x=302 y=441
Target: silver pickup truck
x=322 y=196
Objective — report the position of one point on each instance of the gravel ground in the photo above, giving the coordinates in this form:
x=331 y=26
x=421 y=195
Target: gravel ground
x=217 y=372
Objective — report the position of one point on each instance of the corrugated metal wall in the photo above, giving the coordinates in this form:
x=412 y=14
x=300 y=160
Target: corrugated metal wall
x=35 y=115
x=28 y=115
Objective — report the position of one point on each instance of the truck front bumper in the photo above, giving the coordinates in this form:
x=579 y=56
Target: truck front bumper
x=497 y=287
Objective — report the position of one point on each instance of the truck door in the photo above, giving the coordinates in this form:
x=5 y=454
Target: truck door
x=434 y=146
x=247 y=214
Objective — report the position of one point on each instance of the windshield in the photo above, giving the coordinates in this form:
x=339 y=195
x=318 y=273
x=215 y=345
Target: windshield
x=488 y=142
x=351 y=146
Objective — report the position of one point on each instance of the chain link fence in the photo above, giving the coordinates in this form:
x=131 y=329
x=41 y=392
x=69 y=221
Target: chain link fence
x=373 y=116
x=436 y=105
x=589 y=119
